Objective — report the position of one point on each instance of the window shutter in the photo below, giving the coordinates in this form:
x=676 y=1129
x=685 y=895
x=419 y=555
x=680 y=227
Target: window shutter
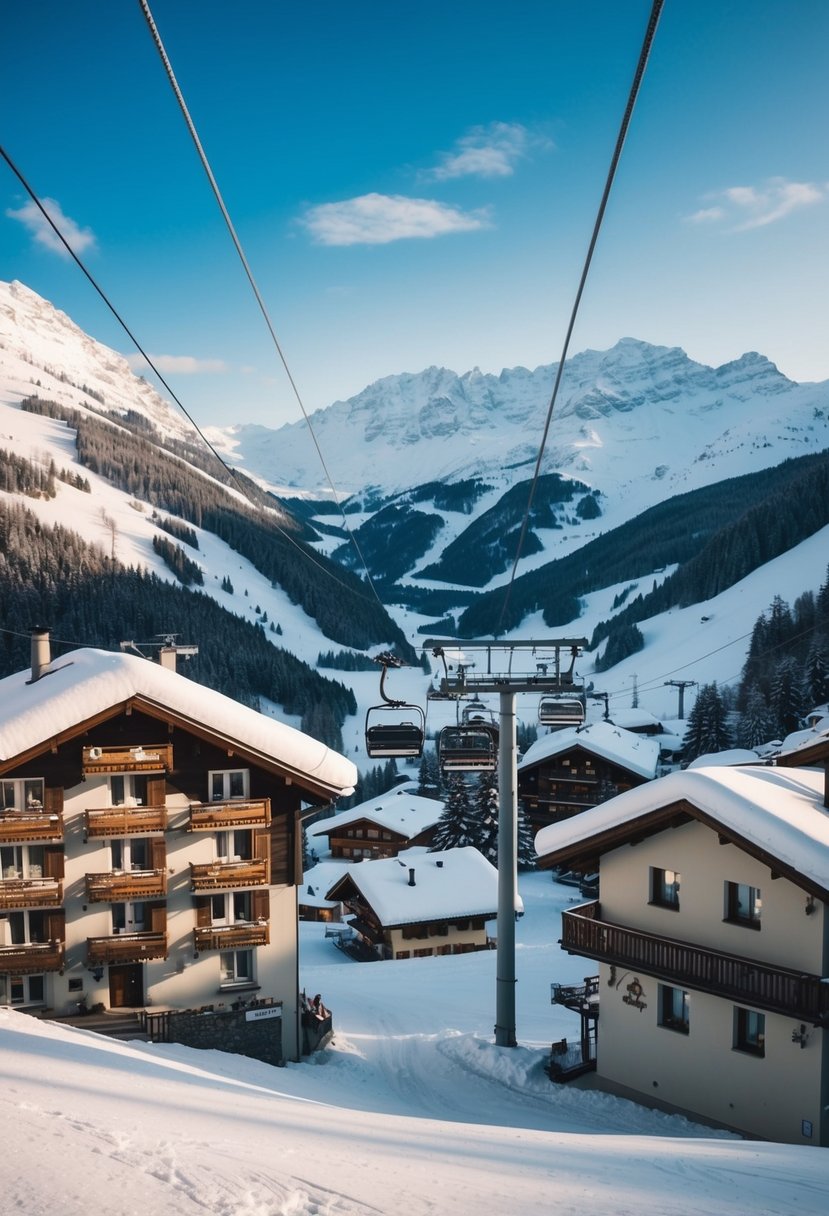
x=203 y=917
x=156 y=791
x=56 y=925
x=158 y=854
x=158 y=918
x=53 y=800
x=260 y=905
x=53 y=862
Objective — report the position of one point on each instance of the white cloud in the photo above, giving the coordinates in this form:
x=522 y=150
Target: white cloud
x=745 y=207
x=30 y=216
x=491 y=151
x=377 y=219
x=183 y=365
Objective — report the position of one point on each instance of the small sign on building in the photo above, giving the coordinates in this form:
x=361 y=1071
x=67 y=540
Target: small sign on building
x=270 y=1011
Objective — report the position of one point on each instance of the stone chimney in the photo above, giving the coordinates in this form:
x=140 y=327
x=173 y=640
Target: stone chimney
x=411 y=876
x=41 y=653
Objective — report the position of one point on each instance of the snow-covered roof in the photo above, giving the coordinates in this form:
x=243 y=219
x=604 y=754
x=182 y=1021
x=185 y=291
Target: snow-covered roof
x=637 y=753
x=455 y=882
x=631 y=719
x=86 y=683
x=778 y=812
x=800 y=739
x=318 y=880
x=398 y=810
x=734 y=755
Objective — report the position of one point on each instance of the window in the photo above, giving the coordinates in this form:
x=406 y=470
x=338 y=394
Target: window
x=129 y=917
x=130 y=854
x=22 y=990
x=128 y=789
x=22 y=861
x=236 y=967
x=235 y=845
x=230 y=908
x=24 y=793
x=24 y=928
x=229 y=784
x=674 y=1009
x=743 y=904
x=665 y=888
x=749 y=1031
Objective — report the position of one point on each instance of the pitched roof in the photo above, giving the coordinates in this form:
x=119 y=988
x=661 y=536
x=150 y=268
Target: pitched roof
x=775 y=814
x=88 y=684
x=452 y=883
x=637 y=753
x=398 y=810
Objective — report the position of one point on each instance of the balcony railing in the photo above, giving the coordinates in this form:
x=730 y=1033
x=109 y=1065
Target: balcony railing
x=125 y=948
x=777 y=989
x=155 y=758
x=125 y=820
x=32 y=957
x=115 y=887
x=16 y=826
x=212 y=816
x=18 y=892
x=231 y=937
x=230 y=875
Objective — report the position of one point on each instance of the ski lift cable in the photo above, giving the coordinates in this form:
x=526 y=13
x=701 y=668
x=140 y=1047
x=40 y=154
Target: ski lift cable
x=168 y=67
x=617 y=152
x=149 y=361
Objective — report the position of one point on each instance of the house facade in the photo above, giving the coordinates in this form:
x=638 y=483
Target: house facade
x=422 y=905
x=712 y=944
x=569 y=771
x=380 y=827
x=149 y=841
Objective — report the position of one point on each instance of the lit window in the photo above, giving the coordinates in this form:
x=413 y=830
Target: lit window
x=664 y=888
x=743 y=904
x=229 y=784
x=674 y=1009
x=22 y=794
x=749 y=1031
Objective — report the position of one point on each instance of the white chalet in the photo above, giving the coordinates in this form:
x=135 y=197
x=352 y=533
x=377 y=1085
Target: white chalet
x=712 y=938
x=149 y=839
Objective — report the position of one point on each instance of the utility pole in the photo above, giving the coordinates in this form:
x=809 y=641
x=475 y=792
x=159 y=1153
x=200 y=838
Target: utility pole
x=681 y=685
x=552 y=677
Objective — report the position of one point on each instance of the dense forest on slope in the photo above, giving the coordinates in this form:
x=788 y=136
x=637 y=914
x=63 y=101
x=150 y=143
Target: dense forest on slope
x=766 y=530
x=337 y=600
x=487 y=547
x=670 y=533
x=391 y=541
x=50 y=576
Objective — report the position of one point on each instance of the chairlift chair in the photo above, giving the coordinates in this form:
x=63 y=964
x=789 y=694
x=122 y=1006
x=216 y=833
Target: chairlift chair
x=468 y=749
x=560 y=711
x=394 y=729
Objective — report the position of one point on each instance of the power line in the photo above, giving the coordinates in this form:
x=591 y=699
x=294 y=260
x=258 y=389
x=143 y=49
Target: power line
x=168 y=67
x=617 y=152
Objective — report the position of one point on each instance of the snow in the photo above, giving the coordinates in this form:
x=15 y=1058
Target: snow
x=398 y=810
x=779 y=809
x=449 y=883
x=634 y=752
x=411 y=1110
x=734 y=755
x=87 y=682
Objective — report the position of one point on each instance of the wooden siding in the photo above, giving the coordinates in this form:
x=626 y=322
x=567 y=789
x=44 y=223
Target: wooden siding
x=125 y=948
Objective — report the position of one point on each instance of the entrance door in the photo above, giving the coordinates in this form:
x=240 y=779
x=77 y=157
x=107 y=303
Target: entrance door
x=126 y=986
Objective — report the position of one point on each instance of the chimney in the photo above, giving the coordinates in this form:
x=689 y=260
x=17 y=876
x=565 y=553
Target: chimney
x=439 y=864
x=167 y=657
x=411 y=876
x=41 y=652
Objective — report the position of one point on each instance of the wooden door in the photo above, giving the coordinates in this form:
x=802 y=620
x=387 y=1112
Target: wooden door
x=126 y=986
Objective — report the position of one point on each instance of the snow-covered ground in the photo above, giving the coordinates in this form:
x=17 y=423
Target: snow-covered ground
x=411 y=1110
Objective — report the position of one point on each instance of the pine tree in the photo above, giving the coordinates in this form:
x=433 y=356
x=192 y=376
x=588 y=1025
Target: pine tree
x=756 y=724
x=429 y=777
x=455 y=827
x=786 y=697
x=708 y=729
x=816 y=674
x=485 y=817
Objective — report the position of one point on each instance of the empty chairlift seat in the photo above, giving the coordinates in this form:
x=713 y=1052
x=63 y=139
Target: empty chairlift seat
x=467 y=748
x=560 y=711
x=389 y=735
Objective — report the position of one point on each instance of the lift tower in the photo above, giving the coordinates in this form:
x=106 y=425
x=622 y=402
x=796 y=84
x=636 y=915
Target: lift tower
x=553 y=672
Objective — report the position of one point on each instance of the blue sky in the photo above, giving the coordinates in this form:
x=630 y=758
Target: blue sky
x=416 y=184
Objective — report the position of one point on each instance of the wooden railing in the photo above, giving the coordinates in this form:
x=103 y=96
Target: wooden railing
x=231 y=937
x=30 y=893
x=114 y=887
x=229 y=875
x=31 y=957
x=29 y=825
x=777 y=989
x=210 y=816
x=125 y=948
x=150 y=758
x=125 y=820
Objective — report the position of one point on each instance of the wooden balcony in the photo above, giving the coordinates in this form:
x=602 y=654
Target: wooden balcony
x=155 y=758
x=22 y=826
x=230 y=875
x=125 y=820
x=116 y=887
x=31 y=958
x=231 y=937
x=30 y=893
x=791 y=993
x=214 y=816
x=125 y=948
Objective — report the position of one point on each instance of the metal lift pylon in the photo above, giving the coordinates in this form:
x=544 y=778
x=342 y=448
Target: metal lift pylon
x=550 y=676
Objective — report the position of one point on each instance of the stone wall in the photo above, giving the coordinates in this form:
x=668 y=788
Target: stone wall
x=254 y=1032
